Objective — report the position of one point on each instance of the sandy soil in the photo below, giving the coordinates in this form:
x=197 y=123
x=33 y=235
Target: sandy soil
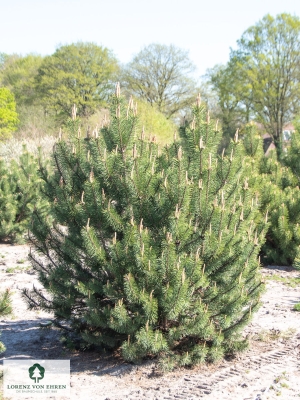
x=270 y=369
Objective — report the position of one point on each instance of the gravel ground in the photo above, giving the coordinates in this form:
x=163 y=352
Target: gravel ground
x=268 y=370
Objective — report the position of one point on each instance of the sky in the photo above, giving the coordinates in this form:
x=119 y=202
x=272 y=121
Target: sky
x=207 y=29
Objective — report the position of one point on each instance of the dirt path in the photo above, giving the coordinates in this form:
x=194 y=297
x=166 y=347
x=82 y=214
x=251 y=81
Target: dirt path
x=270 y=369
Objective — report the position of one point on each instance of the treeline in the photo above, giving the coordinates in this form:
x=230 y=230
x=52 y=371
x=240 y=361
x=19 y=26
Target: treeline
x=45 y=88
x=260 y=82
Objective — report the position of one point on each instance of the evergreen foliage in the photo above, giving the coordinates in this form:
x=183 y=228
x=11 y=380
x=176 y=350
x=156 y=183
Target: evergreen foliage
x=280 y=195
x=151 y=250
x=5 y=309
x=292 y=161
x=278 y=185
x=292 y=156
x=19 y=194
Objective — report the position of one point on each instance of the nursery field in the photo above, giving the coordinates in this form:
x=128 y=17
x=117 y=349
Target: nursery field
x=268 y=370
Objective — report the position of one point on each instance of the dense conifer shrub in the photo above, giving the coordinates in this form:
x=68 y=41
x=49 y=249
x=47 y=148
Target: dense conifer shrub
x=5 y=309
x=20 y=186
x=292 y=154
x=278 y=185
x=152 y=250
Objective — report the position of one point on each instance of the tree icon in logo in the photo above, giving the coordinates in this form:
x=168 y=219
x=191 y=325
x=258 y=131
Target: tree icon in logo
x=36 y=372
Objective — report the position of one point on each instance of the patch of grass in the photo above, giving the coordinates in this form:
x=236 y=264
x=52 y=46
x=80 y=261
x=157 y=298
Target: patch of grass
x=13 y=270
x=269 y=335
x=288 y=334
x=20 y=261
x=289 y=281
x=296 y=307
x=278 y=380
x=284 y=385
x=266 y=335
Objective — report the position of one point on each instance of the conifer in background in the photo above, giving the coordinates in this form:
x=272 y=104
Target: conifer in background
x=20 y=187
x=293 y=161
x=5 y=309
x=278 y=185
x=154 y=250
x=281 y=196
x=292 y=157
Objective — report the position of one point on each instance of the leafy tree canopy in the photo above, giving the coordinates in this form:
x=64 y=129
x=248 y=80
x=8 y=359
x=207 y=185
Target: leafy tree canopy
x=18 y=74
x=268 y=57
x=261 y=79
x=3 y=57
x=233 y=98
x=81 y=74
x=8 y=115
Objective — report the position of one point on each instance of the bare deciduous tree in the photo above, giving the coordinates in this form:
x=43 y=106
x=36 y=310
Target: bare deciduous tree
x=162 y=75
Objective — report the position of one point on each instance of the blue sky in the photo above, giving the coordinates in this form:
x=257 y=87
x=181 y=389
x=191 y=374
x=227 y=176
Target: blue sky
x=207 y=29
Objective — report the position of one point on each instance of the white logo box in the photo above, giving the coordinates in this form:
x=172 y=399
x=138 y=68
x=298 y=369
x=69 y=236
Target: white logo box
x=36 y=379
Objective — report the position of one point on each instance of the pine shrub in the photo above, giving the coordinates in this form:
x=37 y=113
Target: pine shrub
x=20 y=187
x=292 y=156
x=281 y=197
x=278 y=185
x=151 y=250
x=5 y=309
x=292 y=162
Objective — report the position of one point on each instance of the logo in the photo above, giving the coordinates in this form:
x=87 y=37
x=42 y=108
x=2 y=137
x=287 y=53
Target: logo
x=36 y=372
x=36 y=379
